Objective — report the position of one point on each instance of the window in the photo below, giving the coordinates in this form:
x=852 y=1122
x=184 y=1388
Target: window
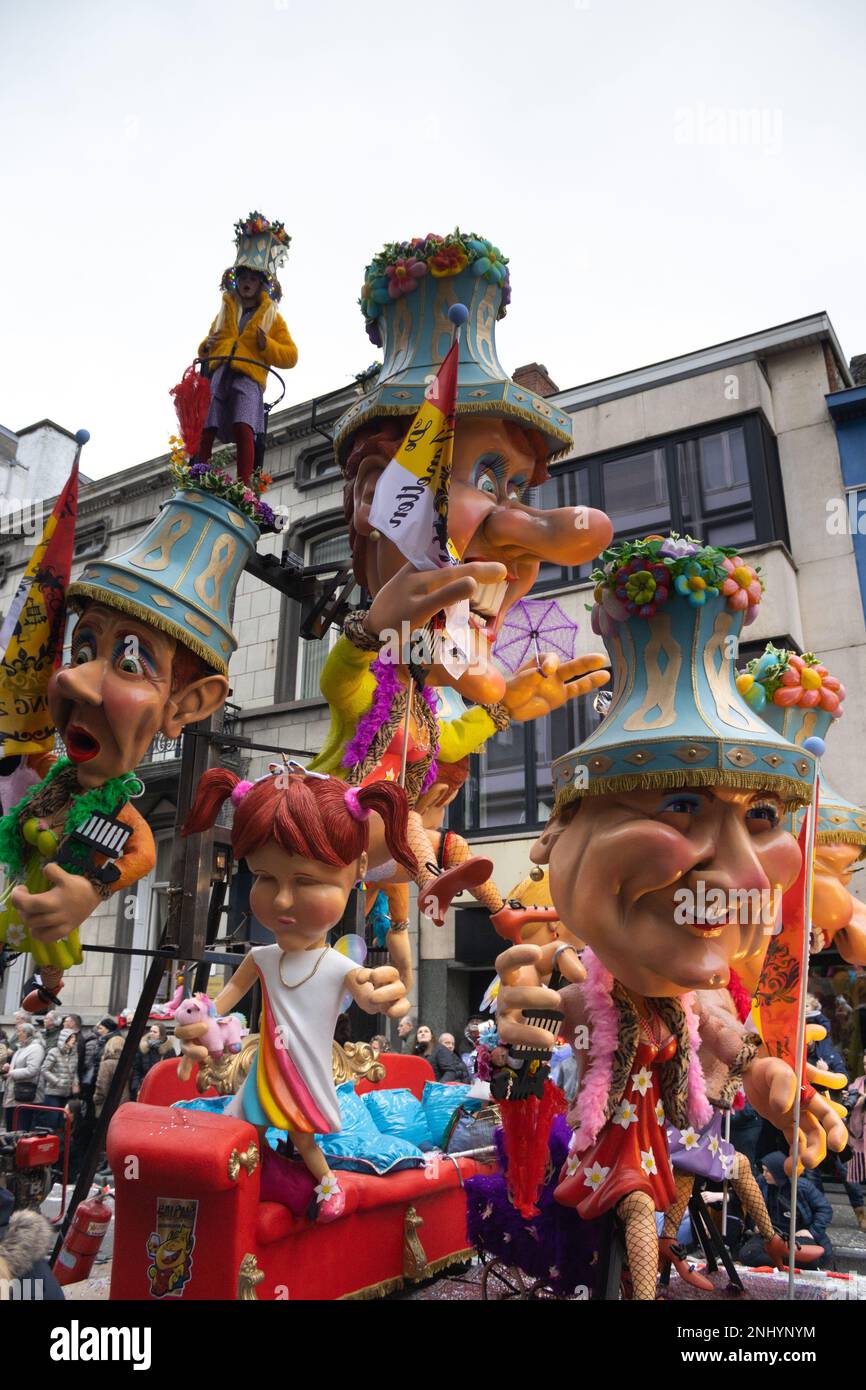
x=91 y=540
x=317 y=466
x=321 y=550
x=509 y=784
x=721 y=485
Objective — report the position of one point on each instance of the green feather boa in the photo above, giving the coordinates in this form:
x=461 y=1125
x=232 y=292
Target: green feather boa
x=97 y=801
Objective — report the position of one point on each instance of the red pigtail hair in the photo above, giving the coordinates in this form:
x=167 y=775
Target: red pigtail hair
x=215 y=787
x=390 y=803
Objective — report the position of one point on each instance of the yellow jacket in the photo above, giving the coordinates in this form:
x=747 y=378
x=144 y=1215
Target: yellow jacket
x=348 y=687
x=279 y=350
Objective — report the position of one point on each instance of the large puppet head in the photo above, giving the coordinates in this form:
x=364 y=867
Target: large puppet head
x=668 y=850
x=798 y=697
x=151 y=647
x=504 y=438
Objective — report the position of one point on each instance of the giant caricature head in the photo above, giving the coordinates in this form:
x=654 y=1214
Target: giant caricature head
x=668 y=849
x=151 y=647
x=798 y=697
x=505 y=434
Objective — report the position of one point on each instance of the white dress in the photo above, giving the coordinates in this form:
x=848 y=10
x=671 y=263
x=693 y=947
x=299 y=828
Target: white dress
x=304 y=1019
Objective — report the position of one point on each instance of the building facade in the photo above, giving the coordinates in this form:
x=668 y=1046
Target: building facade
x=740 y=444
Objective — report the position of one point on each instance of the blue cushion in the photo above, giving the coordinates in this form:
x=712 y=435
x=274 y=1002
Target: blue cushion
x=439 y=1102
x=399 y=1113
x=216 y=1104
x=387 y=1153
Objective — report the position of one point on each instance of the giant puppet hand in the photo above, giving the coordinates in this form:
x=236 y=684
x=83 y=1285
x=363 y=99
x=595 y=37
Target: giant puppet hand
x=56 y=913
x=532 y=692
x=770 y=1085
x=522 y=971
x=413 y=596
x=379 y=991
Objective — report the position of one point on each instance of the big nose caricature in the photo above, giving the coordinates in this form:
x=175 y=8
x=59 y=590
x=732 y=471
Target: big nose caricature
x=505 y=437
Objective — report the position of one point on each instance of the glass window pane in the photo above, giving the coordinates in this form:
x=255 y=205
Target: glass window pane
x=740 y=532
x=636 y=492
x=502 y=790
x=713 y=475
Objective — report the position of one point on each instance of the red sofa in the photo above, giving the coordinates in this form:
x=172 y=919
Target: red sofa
x=189 y=1223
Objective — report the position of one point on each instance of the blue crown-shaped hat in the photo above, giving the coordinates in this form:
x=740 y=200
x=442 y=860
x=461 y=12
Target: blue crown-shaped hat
x=782 y=675
x=261 y=245
x=408 y=289
x=181 y=575
x=670 y=613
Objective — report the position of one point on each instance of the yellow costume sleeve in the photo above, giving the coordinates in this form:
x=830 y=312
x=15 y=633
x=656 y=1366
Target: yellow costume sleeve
x=280 y=350
x=458 y=737
x=348 y=687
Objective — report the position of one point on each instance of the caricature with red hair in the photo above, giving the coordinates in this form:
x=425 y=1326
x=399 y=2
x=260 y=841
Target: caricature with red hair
x=305 y=839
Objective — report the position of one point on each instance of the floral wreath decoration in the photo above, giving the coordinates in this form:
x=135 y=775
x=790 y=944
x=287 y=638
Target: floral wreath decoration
x=211 y=477
x=636 y=578
x=400 y=267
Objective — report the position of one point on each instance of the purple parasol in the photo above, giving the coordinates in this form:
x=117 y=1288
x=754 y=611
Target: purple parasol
x=532 y=622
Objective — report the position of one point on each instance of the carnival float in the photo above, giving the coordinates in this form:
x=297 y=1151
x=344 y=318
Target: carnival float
x=271 y=1162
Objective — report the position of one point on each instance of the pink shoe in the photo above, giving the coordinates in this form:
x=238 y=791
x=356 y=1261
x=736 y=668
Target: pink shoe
x=330 y=1199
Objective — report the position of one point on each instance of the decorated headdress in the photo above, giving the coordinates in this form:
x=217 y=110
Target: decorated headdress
x=671 y=611
x=181 y=575
x=408 y=289
x=261 y=245
x=798 y=697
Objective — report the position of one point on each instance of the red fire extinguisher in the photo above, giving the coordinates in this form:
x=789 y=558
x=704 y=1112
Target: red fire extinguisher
x=83 y=1239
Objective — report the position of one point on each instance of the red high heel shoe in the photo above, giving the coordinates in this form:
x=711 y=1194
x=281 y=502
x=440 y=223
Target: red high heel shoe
x=672 y=1254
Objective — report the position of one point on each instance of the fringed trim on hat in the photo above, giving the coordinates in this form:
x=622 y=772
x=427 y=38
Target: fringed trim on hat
x=791 y=789
x=79 y=592
x=531 y=418
x=842 y=837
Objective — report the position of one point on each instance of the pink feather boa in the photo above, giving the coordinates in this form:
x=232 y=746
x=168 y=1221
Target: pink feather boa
x=604 y=1031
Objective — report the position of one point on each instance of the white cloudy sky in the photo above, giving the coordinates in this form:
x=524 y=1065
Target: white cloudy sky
x=595 y=141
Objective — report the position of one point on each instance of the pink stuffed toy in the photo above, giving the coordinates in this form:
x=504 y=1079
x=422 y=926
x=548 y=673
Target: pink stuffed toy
x=223 y=1034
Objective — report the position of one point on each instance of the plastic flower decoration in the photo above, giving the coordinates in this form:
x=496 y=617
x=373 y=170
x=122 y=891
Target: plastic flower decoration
x=785 y=679
x=642 y=588
x=450 y=259
x=403 y=276
x=742 y=588
x=488 y=260
x=694 y=582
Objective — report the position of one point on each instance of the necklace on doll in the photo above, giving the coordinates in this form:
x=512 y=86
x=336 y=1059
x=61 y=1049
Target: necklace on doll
x=306 y=978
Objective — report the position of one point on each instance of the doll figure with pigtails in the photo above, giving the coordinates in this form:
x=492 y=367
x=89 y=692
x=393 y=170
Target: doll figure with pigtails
x=247 y=337
x=305 y=838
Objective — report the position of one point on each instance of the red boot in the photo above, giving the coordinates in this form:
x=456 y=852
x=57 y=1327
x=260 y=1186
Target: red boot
x=512 y=917
x=41 y=999
x=779 y=1252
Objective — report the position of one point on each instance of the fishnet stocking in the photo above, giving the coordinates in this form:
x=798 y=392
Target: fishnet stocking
x=750 y=1196
x=638 y=1216
x=419 y=843
x=456 y=851
x=673 y=1216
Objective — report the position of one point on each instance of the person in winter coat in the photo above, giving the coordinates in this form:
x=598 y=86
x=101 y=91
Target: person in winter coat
x=59 y=1076
x=25 y=1241
x=154 y=1047
x=22 y=1075
x=111 y=1051
x=814 y=1213
x=446 y=1063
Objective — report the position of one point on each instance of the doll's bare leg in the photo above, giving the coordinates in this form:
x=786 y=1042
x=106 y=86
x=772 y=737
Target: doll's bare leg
x=330 y=1198
x=399 y=946
x=638 y=1216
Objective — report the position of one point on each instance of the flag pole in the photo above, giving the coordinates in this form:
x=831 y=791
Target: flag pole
x=811 y=825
